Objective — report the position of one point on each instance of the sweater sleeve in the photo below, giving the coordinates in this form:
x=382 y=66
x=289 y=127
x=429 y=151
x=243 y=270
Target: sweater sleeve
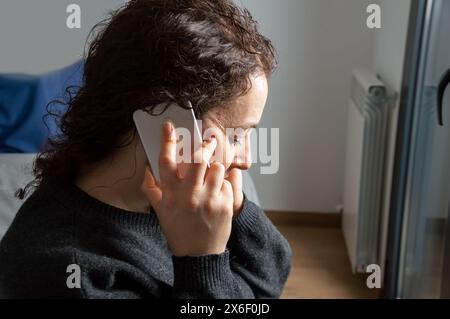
x=256 y=263
x=259 y=253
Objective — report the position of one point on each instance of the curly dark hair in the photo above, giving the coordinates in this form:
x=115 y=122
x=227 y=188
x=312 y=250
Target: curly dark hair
x=146 y=53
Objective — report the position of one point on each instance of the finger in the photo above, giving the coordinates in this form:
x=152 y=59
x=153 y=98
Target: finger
x=227 y=190
x=214 y=177
x=151 y=189
x=167 y=156
x=201 y=158
x=235 y=178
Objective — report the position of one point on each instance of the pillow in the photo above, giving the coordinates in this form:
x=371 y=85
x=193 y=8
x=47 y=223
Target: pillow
x=15 y=172
x=23 y=102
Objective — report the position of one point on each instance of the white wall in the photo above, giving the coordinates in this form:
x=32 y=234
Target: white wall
x=388 y=57
x=34 y=37
x=319 y=42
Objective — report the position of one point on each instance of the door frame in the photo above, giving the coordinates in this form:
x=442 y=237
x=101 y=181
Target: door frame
x=407 y=101
x=445 y=286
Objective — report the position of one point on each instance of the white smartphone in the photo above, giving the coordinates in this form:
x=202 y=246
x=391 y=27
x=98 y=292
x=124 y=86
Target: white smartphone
x=149 y=129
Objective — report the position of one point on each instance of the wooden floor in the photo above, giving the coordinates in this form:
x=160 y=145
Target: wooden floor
x=320 y=265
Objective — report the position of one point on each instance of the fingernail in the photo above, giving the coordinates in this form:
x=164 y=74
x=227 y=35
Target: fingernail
x=213 y=141
x=168 y=126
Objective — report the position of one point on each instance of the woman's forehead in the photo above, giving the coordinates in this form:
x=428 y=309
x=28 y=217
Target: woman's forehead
x=246 y=110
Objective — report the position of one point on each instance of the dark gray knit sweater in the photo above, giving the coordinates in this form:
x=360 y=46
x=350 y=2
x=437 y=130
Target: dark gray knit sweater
x=125 y=255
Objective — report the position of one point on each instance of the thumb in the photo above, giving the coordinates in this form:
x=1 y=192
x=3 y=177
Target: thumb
x=151 y=189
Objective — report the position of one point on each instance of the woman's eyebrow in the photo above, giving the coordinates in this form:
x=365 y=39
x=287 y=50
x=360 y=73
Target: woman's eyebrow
x=247 y=125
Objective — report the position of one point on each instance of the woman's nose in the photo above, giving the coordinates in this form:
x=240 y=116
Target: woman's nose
x=242 y=166
x=242 y=161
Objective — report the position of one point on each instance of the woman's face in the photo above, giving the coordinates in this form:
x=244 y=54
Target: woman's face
x=232 y=125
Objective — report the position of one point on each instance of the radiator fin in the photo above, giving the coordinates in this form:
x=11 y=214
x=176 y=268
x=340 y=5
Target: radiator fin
x=366 y=140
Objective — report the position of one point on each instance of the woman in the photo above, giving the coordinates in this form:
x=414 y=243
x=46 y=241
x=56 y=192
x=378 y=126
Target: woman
x=97 y=224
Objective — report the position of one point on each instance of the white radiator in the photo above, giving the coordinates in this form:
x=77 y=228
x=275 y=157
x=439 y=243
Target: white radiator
x=366 y=135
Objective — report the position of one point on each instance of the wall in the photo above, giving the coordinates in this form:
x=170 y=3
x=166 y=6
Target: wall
x=34 y=37
x=319 y=42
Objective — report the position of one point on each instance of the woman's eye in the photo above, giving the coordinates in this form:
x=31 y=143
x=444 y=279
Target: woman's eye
x=236 y=141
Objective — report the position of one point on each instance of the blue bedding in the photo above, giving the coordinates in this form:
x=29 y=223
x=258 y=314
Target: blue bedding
x=23 y=102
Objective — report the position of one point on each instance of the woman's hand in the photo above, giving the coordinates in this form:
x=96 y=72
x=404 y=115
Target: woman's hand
x=196 y=211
